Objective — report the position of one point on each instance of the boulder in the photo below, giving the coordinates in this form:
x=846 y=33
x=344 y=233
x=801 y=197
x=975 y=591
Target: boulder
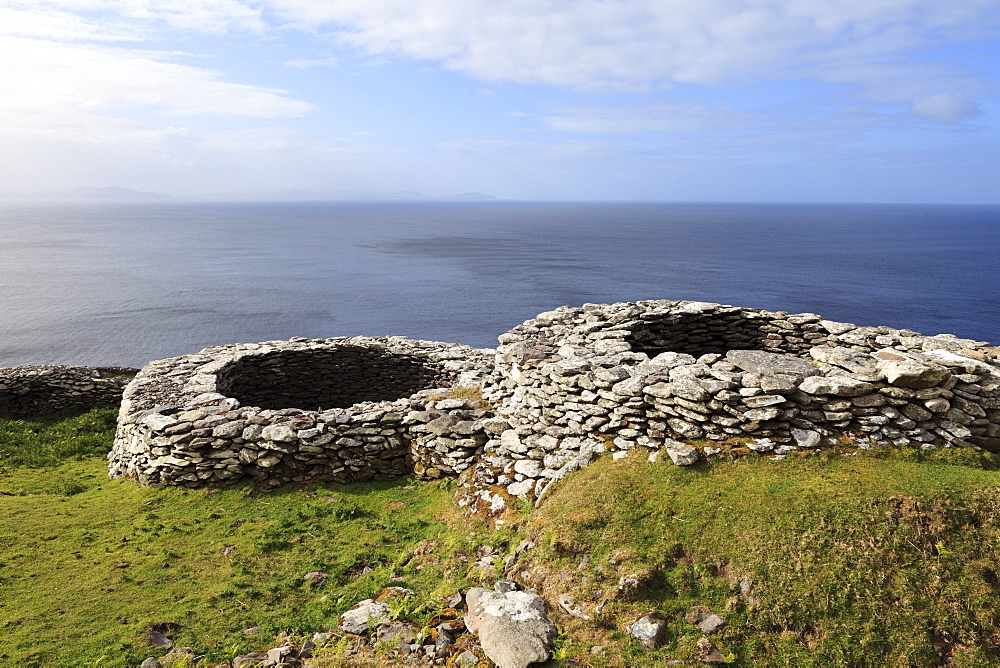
x=512 y=627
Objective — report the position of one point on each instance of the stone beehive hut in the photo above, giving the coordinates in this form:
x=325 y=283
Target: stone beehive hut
x=580 y=380
x=288 y=411
x=562 y=387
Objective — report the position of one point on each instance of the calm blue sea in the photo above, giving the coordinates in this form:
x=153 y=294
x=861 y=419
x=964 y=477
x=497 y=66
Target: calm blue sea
x=127 y=283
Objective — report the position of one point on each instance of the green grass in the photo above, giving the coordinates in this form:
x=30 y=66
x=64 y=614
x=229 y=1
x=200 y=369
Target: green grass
x=50 y=440
x=85 y=571
x=887 y=558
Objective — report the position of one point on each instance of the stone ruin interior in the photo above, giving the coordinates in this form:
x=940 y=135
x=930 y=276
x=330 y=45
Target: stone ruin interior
x=324 y=379
x=702 y=334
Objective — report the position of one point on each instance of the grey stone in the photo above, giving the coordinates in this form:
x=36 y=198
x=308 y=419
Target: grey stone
x=278 y=654
x=158 y=422
x=397 y=633
x=707 y=652
x=762 y=414
x=509 y=440
x=630 y=387
x=759 y=361
x=315 y=577
x=151 y=663
x=159 y=640
x=232 y=429
x=838 y=386
x=442 y=425
x=512 y=627
x=671 y=359
x=466 y=658
x=685 y=429
x=764 y=400
x=365 y=616
x=688 y=388
x=953 y=359
x=846 y=358
x=648 y=631
x=806 y=438
x=837 y=327
x=280 y=433
x=938 y=405
x=912 y=374
x=681 y=454
x=712 y=623
x=529 y=467
x=781 y=383
x=252 y=659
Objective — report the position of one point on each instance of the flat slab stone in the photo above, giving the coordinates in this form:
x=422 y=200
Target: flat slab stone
x=770 y=364
x=838 y=386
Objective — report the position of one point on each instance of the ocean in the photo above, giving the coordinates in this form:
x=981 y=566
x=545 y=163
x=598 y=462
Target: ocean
x=125 y=283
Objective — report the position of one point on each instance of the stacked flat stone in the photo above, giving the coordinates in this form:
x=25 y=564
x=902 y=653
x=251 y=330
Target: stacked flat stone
x=27 y=391
x=580 y=380
x=340 y=409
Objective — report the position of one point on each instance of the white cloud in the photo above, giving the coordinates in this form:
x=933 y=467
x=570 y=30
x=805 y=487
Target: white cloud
x=44 y=76
x=304 y=64
x=943 y=107
x=115 y=20
x=637 y=45
x=661 y=117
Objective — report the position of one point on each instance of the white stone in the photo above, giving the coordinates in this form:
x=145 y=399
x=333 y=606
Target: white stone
x=521 y=488
x=681 y=454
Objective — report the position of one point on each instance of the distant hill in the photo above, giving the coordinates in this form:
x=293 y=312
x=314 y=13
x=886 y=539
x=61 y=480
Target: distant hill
x=293 y=195
x=116 y=193
x=121 y=194
x=469 y=197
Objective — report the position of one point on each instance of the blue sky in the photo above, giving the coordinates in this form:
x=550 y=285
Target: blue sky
x=718 y=100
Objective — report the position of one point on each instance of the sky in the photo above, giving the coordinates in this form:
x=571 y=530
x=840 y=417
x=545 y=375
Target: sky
x=662 y=100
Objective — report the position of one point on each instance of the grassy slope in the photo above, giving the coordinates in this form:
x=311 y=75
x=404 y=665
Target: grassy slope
x=84 y=575
x=878 y=559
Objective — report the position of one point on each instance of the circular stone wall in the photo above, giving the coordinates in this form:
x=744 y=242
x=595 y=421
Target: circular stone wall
x=342 y=409
x=660 y=375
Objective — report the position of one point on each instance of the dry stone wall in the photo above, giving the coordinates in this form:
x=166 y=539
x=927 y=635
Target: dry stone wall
x=683 y=379
x=656 y=375
x=27 y=391
x=341 y=409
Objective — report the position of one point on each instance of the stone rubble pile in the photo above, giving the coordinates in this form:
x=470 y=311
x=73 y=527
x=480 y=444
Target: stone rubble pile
x=341 y=409
x=614 y=377
x=504 y=626
x=37 y=390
